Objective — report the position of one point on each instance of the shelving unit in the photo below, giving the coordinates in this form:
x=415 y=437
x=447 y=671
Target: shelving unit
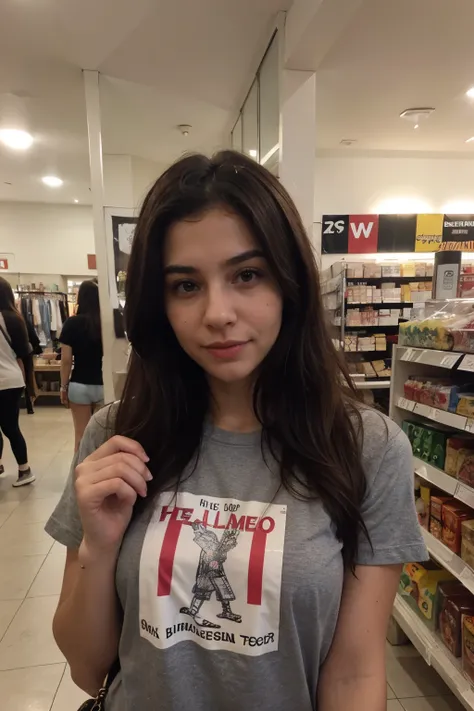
x=50 y=368
x=434 y=652
x=419 y=361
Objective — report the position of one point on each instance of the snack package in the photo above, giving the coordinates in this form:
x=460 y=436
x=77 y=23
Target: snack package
x=450 y=620
x=465 y=470
x=425 y=495
x=436 y=528
x=465 y=404
x=468 y=647
x=453 y=514
x=467 y=553
x=450 y=588
x=453 y=446
x=418 y=586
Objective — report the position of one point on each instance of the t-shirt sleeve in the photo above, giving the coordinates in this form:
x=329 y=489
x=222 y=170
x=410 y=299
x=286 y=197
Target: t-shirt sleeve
x=69 y=332
x=389 y=508
x=16 y=329
x=65 y=524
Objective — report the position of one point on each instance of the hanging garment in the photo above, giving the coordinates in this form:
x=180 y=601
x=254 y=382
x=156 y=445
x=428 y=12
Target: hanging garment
x=36 y=312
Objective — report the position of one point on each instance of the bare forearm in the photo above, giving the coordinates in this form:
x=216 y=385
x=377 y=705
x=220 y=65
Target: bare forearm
x=87 y=624
x=367 y=693
x=66 y=367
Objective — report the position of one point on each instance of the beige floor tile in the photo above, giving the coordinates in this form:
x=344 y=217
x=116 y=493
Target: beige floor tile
x=394 y=705
x=8 y=609
x=433 y=703
x=18 y=574
x=69 y=696
x=411 y=677
x=30 y=689
x=29 y=640
x=390 y=694
x=34 y=510
x=50 y=577
x=48 y=487
x=18 y=539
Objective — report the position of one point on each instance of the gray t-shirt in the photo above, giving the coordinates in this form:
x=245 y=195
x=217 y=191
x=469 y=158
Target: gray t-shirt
x=231 y=589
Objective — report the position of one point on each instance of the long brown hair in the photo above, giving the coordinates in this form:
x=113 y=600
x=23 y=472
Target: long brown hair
x=88 y=306
x=303 y=396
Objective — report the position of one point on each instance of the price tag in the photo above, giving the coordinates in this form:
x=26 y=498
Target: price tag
x=406 y=404
x=465 y=494
x=449 y=360
x=433 y=414
x=467 y=363
x=467 y=577
x=470 y=426
x=410 y=355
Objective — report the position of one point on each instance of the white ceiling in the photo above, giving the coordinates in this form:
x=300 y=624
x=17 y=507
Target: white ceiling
x=393 y=56
x=162 y=63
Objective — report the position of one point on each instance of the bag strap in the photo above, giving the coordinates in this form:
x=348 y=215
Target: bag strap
x=6 y=336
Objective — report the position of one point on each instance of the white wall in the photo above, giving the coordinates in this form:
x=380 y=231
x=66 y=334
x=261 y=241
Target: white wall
x=40 y=238
x=392 y=185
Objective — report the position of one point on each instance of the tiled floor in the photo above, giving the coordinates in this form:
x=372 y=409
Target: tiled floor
x=33 y=672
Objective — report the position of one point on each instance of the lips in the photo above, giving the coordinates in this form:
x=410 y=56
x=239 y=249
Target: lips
x=226 y=350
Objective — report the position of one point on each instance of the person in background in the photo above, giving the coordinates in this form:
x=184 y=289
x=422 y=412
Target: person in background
x=14 y=348
x=81 y=340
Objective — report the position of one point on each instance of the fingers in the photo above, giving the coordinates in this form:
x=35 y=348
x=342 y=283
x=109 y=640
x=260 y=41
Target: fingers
x=115 y=487
x=119 y=444
x=87 y=478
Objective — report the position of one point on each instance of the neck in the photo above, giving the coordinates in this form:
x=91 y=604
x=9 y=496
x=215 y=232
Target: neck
x=231 y=406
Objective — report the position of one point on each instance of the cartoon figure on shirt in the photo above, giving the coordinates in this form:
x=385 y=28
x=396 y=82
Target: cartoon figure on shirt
x=210 y=575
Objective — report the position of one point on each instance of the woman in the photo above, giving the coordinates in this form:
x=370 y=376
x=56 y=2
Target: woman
x=14 y=348
x=243 y=529
x=81 y=339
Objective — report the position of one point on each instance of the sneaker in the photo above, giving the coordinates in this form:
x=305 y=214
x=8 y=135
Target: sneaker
x=24 y=478
x=2 y=469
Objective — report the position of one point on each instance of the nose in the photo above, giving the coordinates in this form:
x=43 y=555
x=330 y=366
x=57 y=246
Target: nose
x=219 y=309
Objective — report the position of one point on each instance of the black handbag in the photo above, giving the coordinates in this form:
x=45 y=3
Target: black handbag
x=98 y=704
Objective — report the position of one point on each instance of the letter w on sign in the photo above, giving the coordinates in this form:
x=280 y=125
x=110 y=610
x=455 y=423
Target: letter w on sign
x=363 y=234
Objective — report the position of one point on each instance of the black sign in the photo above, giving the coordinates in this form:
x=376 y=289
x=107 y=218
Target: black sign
x=335 y=234
x=458 y=228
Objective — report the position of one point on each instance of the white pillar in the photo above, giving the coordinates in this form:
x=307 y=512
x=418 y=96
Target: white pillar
x=91 y=86
x=297 y=168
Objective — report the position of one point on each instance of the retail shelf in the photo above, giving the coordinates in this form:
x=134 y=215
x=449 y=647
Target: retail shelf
x=434 y=652
x=47 y=368
x=42 y=393
x=435 y=476
x=383 y=304
x=381 y=327
x=443 y=481
x=449 y=560
x=440 y=359
x=450 y=419
x=372 y=384
x=378 y=280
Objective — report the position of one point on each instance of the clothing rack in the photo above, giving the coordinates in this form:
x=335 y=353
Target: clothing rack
x=43 y=311
x=40 y=293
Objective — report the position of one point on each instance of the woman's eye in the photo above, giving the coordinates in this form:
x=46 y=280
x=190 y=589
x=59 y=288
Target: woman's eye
x=248 y=275
x=185 y=287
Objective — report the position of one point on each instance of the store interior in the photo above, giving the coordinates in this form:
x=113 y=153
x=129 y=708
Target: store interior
x=316 y=92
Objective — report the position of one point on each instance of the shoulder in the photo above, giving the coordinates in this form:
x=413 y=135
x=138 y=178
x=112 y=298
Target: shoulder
x=101 y=427
x=384 y=445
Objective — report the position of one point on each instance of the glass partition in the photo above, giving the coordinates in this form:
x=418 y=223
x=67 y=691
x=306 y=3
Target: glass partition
x=237 y=135
x=269 y=107
x=250 y=123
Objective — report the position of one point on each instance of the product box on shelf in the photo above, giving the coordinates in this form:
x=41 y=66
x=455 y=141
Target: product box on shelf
x=457 y=449
x=372 y=270
x=390 y=270
x=451 y=621
x=436 y=514
x=453 y=515
x=355 y=270
x=465 y=404
x=446 y=590
x=435 y=392
x=467 y=543
x=422 y=502
x=418 y=586
x=468 y=646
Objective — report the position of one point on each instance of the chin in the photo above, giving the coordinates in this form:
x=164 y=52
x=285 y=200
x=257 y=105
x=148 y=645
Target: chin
x=231 y=372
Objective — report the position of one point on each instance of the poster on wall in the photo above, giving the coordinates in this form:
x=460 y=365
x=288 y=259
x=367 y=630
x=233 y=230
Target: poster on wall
x=429 y=233
x=120 y=229
x=369 y=234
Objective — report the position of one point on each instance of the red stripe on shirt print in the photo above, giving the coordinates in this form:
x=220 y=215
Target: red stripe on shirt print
x=260 y=530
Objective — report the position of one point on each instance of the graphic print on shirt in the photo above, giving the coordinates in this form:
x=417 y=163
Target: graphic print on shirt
x=210 y=572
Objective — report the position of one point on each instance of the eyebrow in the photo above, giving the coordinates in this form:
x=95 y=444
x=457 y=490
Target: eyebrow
x=233 y=261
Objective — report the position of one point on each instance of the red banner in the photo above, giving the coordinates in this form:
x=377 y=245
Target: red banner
x=363 y=234
x=3 y=263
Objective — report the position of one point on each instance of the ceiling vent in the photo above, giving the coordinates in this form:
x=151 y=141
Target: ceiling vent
x=348 y=141
x=416 y=116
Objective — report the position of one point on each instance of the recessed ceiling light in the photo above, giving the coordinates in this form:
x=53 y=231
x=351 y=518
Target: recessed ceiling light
x=470 y=92
x=253 y=152
x=76 y=200
x=417 y=125
x=16 y=139
x=470 y=140
x=52 y=181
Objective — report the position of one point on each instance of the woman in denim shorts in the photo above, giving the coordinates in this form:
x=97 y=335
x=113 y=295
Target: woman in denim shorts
x=81 y=359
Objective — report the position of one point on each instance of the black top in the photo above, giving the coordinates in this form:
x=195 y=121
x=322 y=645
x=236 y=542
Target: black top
x=16 y=330
x=87 y=352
